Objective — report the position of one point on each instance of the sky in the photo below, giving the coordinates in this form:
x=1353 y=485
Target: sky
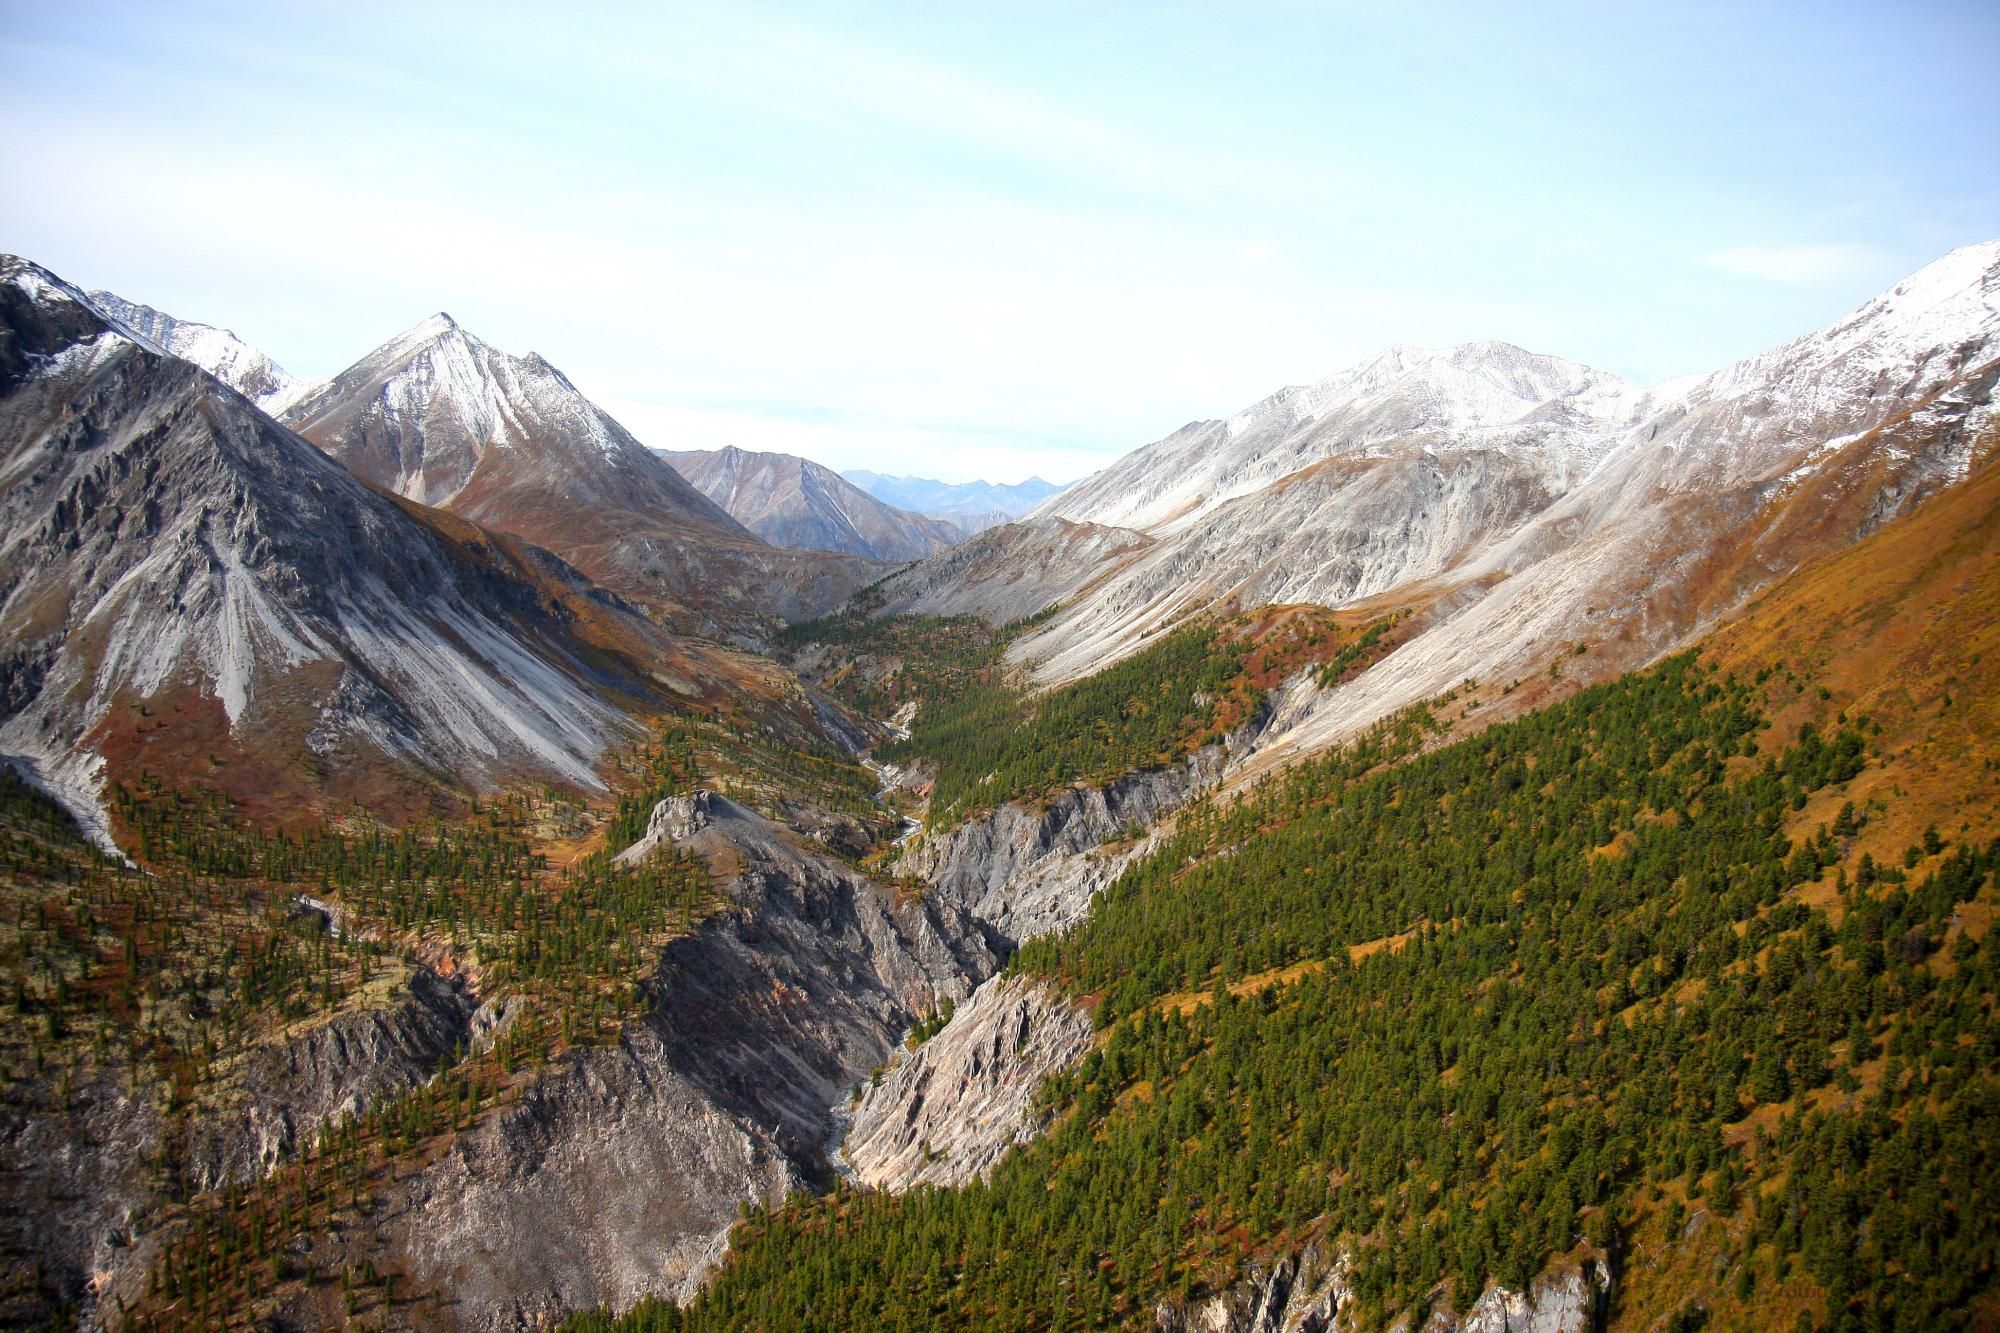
x=982 y=241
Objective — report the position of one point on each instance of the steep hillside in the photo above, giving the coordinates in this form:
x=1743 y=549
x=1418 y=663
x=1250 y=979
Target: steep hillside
x=1904 y=629
x=440 y=417
x=189 y=590
x=797 y=504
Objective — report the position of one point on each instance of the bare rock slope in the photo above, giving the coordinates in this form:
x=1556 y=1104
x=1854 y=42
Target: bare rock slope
x=951 y=1109
x=622 y=1172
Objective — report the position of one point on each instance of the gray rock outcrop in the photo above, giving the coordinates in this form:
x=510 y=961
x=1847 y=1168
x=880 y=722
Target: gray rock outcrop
x=673 y=819
x=83 y=1173
x=75 y=1175
x=780 y=1008
x=292 y=1087
x=1301 y=1293
x=1308 y=1292
x=621 y=1172
x=615 y=1177
x=949 y=1110
x=1026 y=872
x=954 y=1106
x=1571 y=1302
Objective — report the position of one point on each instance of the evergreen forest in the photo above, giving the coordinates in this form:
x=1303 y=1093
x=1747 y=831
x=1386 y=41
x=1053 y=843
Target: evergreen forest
x=1555 y=993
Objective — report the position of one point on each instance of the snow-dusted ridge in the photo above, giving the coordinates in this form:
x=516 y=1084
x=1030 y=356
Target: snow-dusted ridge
x=1485 y=394
x=217 y=351
x=1527 y=503
x=443 y=418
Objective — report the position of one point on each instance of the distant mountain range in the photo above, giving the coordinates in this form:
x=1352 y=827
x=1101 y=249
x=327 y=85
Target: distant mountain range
x=798 y=504
x=972 y=506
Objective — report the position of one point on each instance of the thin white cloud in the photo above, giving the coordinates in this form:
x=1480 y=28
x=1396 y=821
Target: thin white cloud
x=1800 y=264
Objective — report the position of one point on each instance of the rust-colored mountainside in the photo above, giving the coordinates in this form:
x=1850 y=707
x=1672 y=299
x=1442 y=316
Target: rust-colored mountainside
x=1903 y=628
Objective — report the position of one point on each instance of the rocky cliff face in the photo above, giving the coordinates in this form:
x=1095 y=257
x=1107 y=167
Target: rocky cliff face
x=617 y=1176
x=1308 y=1292
x=1027 y=871
x=622 y=1170
x=1301 y=1293
x=288 y=1089
x=781 y=1008
x=1571 y=1302
x=75 y=1175
x=953 y=1107
x=83 y=1171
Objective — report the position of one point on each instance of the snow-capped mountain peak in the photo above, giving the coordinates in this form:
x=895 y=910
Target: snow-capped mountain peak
x=1478 y=395
x=435 y=399
x=441 y=417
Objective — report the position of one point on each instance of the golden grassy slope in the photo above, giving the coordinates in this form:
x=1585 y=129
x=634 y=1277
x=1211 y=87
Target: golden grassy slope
x=1904 y=628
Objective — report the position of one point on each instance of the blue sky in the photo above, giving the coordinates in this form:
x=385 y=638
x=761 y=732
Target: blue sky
x=982 y=240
